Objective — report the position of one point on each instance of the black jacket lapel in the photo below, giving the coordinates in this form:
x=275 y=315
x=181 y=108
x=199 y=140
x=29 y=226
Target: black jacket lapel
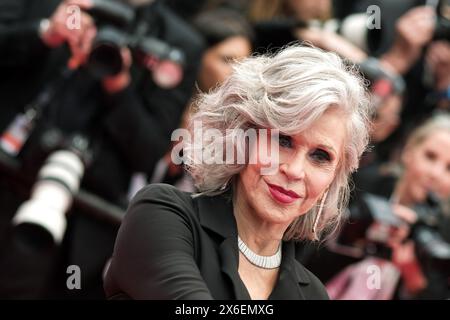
x=216 y=214
x=291 y=278
x=229 y=257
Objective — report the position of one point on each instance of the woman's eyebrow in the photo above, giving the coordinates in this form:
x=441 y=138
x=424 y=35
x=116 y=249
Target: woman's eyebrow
x=328 y=147
x=325 y=145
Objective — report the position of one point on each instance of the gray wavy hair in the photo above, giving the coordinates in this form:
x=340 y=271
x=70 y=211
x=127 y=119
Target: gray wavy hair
x=286 y=91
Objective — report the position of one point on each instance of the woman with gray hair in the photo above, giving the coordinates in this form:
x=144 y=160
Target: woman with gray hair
x=236 y=238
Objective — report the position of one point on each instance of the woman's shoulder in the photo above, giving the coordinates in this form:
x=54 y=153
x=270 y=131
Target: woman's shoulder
x=163 y=200
x=161 y=189
x=162 y=192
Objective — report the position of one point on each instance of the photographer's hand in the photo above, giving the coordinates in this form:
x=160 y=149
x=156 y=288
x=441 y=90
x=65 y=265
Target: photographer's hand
x=120 y=81
x=404 y=257
x=72 y=25
x=406 y=214
x=413 y=31
x=403 y=251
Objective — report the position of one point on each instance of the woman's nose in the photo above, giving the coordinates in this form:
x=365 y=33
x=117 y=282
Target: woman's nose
x=295 y=167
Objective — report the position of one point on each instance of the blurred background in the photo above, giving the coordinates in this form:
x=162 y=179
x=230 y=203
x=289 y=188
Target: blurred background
x=91 y=91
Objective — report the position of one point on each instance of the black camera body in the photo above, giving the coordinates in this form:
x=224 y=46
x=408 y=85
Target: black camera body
x=50 y=139
x=431 y=247
x=371 y=221
x=442 y=28
x=113 y=20
x=118 y=28
x=442 y=31
x=371 y=210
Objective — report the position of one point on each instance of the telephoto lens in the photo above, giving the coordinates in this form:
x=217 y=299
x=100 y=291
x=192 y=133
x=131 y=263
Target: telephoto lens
x=112 y=19
x=106 y=58
x=58 y=180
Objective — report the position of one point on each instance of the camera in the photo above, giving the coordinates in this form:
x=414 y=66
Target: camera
x=113 y=20
x=118 y=27
x=372 y=222
x=442 y=29
x=57 y=181
x=382 y=83
x=431 y=246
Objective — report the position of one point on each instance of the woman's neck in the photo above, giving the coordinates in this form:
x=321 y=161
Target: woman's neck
x=260 y=236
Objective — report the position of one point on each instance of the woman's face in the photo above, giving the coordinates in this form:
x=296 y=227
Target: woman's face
x=217 y=60
x=427 y=167
x=307 y=166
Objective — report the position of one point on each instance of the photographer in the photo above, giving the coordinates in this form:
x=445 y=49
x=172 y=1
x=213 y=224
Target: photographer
x=426 y=168
x=228 y=38
x=409 y=211
x=122 y=115
x=422 y=31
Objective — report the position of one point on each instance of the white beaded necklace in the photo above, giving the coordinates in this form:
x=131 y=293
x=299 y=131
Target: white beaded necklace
x=265 y=262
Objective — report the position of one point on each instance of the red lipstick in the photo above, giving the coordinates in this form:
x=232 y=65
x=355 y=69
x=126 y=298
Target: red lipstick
x=282 y=195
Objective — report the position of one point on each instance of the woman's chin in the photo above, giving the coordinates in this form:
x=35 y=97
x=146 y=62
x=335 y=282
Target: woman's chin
x=280 y=214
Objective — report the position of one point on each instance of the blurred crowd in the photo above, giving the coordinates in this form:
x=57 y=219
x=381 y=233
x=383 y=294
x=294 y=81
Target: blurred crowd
x=91 y=91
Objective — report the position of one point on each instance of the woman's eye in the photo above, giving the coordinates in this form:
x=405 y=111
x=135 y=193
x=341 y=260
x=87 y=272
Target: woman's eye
x=285 y=141
x=321 y=156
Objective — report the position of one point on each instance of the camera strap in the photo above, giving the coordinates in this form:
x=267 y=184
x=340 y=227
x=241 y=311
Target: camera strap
x=20 y=128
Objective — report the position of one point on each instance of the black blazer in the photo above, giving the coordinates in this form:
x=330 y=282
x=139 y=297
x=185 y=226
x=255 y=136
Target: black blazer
x=173 y=246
